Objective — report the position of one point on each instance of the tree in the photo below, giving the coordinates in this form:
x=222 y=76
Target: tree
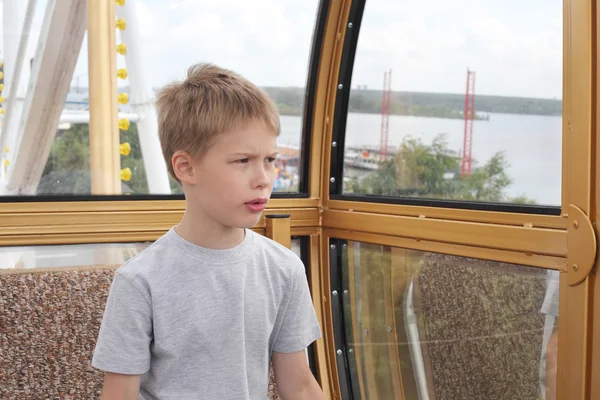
x=67 y=170
x=420 y=170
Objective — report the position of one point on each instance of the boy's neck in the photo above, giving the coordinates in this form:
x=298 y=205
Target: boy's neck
x=208 y=233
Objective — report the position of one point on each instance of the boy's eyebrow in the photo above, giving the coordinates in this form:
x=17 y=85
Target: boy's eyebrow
x=249 y=153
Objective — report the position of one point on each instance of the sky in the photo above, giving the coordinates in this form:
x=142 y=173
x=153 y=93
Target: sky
x=515 y=46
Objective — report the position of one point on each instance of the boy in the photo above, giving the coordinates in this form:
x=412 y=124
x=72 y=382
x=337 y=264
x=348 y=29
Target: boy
x=203 y=311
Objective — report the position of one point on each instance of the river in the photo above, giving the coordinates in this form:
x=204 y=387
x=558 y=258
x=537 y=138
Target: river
x=531 y=143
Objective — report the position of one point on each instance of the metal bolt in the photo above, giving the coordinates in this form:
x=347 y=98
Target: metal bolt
x=334 y=293
x=346 y=292
x=366 y=332
x=332 y=247
x=340 y=86
x=576 y=224
x=575 y=267
x=334 y=144
x=389 y=329
x=350 y=25
x=339 y=352
x=332 y=179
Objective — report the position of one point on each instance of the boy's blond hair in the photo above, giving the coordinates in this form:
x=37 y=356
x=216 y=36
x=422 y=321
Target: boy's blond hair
x=210 y=101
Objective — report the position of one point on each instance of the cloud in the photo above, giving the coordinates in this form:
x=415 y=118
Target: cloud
x=430 y=45
x=515 y=46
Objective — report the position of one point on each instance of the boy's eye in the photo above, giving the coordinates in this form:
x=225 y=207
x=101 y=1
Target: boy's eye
x=270 y=159
x=243 y=161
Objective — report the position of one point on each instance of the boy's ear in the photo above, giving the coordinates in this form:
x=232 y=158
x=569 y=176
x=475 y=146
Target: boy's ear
x=182 y=166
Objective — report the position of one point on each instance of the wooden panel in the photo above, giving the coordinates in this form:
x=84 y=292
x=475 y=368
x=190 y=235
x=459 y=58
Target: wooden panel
x=527 y=240
x=357 y=348
x=575 y=326
x=83 y=227
x=501 y=218
x=318 y=302
x=555 y=263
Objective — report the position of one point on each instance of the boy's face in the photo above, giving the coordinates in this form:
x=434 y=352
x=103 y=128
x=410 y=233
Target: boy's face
x=232 y=181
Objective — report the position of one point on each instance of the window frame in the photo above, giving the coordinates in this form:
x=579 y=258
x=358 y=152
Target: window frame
x=336 y=175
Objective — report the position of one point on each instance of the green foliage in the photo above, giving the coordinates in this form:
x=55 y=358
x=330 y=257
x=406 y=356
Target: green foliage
x=418 y=170
x=67 y=170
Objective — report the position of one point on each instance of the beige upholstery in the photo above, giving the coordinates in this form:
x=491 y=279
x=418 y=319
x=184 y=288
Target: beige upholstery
x=49 y=321
x=482 y=327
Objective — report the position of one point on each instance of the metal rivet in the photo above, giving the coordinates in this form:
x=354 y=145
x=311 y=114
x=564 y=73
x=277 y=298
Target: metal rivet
x=332 y=247
x=332 y=179
x=334 y=144
x=339 y=352
x=575 y=267
x=334 y=293
x=340 y=86
x=346 y=292
x=350 y=25
x=366 y=332
x=576 y=224
x=389 y=329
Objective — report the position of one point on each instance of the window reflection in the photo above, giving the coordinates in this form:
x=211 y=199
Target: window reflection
x=267 y=42
x=423 y=325
x=457 y=101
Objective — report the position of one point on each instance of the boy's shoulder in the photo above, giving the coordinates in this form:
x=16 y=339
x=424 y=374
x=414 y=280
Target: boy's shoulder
x=155 y=260
x=148 y=261
x=278 y=253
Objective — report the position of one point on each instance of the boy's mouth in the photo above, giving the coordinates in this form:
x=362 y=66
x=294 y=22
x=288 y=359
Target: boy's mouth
x=257 y=201
x=256 y=205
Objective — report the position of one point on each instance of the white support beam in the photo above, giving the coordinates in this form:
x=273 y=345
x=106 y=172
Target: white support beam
x=18 y=78
x=12 y=21
x=58 y=49
x=141 y=100
x=83 y=117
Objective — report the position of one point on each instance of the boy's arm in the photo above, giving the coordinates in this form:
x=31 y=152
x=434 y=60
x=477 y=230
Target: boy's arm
x=294 y=378
x=120 y=387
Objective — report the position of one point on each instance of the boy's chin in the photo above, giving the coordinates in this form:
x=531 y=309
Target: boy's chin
x=249 y=223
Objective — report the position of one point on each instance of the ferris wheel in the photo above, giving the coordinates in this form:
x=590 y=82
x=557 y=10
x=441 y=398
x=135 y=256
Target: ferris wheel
x=36 y=99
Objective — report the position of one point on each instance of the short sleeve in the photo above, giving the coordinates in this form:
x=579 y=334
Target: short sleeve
x=125 y=335
x=299 y=325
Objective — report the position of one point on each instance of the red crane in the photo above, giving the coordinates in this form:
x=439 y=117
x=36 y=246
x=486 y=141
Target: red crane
x=385 y=114
x=469 y=115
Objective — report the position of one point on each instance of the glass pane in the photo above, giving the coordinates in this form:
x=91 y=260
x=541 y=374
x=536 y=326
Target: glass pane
x=50 y=317
x=457 y=101
x=54 y=314
x=267 y=42
x=81 y=255
x=67 y=256
x=426 y=325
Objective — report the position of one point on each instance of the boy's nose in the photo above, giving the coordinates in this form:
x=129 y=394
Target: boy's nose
x=262 y=178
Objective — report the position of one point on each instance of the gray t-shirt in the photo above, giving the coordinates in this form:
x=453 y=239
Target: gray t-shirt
x=198 y=323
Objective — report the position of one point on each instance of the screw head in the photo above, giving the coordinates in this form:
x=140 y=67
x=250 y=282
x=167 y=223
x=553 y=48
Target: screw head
x=575 y=224
x=332 y=247
x=575 y=267
x=339 y=352
x=334 y=293
x=332 y=179
x=351 y=351
x=366 y=332
x=334 y=144
x=346 y=292
x=389 y=329
x=340 y=86
x=350 y=25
